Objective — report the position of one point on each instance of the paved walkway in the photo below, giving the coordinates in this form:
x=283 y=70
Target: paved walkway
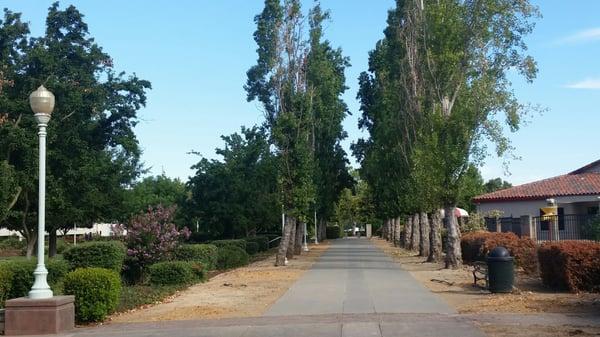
x=354 y=289
x=356 y=277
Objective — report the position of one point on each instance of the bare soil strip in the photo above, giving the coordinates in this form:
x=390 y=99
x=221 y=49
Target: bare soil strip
x=243 y=292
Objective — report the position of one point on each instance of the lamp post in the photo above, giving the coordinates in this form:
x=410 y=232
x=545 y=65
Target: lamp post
x=42 y=104
x=305 y=244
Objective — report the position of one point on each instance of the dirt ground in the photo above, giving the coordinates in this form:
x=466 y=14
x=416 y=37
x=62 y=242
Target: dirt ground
x=242 y=292
x=539 y=331
x=530 y=297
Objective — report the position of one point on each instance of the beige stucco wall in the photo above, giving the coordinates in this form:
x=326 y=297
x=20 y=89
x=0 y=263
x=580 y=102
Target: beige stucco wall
x=516 y=209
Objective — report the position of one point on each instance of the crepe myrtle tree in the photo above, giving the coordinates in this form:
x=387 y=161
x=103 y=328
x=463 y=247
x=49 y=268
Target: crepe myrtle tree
x=152 y=236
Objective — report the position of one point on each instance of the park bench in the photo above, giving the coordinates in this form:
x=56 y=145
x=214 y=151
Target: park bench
x=480 y=272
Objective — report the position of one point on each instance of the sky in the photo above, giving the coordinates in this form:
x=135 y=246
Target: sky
x=196 y=54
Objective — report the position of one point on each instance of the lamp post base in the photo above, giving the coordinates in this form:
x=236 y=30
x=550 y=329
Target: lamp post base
x=28 y=316
x=40 y=294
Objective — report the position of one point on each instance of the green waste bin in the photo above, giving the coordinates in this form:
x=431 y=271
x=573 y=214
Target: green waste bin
x=501 y=270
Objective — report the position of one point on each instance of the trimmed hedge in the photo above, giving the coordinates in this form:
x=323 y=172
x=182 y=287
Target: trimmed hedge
x=476 y=245
x=241 y=243
x=97 y=292
x=6 y=277
x=100 y=254
x=21 y=275
x=262 y=241
x=231 y=257
x=570 y=265
x=251 y=248
x=175 y=273
x=332 y=232
x=204 y=253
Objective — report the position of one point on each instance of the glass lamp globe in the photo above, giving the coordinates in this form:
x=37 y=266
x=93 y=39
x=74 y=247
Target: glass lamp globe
x=42 y=104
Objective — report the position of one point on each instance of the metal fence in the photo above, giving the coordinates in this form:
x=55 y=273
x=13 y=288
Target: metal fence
x=567 y=227
x=506 y=225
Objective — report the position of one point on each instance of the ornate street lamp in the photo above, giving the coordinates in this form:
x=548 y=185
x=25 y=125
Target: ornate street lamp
x=42 y=104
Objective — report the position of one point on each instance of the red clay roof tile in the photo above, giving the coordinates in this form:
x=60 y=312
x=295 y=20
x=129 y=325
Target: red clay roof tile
x=565 y=185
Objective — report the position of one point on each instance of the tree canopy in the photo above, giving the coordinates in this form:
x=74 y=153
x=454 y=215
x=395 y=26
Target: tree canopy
x=92 y=149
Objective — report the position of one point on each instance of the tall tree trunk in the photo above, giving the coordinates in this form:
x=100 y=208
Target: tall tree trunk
x=424 y=226
x=408 y=233
x=31 y=243
x=398 y=236
x=416 y=233
x=52 y=243
x=393 y=235
x=322 y=230
x=393 y=231
x=453 y=253
x=284 y=243
x=299 y=237
x=435 y=237
x=384 y=229
x=402 y=234
x=292 y=241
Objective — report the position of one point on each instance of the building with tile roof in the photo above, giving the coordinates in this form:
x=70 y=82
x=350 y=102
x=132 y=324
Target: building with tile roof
x=577 y=195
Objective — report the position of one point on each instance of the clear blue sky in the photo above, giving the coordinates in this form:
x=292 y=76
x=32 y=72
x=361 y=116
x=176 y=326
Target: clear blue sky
x=196 y=54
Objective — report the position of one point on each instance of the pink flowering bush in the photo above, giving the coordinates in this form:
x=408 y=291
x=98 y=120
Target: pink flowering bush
x=152 y=236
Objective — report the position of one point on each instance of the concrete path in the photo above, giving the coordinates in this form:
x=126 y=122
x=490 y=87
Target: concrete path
x=353 y=290
x=355 y=277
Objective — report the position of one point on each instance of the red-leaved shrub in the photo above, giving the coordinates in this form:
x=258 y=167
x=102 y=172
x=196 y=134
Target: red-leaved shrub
x=476 y=245
x=570 y=265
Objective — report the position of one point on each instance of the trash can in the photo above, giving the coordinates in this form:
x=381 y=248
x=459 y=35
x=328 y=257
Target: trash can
x=501 y=270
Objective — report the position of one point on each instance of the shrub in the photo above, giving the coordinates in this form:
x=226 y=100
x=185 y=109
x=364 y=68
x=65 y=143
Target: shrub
x=175 y=273
x=96 y=290
x=152 y=236
x=262 y=241
x=240 y=243
x=231 y=257
x=251 y=248
x=570 y=265
x=6 y=277
x=61 y=246
x=100 y=254
x=204 y=253
x=476 y=245
x=21 y=272
x=332 y=232
x=591 y=229
x=57 y=270
x=133 y=297
x=198 y=237
x=12 y=243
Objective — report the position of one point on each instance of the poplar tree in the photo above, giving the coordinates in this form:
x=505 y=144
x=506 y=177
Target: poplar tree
x=298 y=79
x=436 y=90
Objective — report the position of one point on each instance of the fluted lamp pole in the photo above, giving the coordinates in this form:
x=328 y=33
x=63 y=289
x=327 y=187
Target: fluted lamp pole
x=42 y=104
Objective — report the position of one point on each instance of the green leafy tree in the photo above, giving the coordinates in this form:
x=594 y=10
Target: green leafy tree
x=92 y=149
x=326 y=83
x=238 y=195
x=287 y=82
x=496 y=184
x=436 y=88
x=153 y=191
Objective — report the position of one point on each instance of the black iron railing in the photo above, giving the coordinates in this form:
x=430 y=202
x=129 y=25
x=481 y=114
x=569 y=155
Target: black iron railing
x=567 y=227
